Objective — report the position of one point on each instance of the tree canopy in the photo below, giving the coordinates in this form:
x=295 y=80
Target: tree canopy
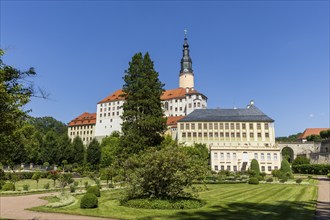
x=143 y=118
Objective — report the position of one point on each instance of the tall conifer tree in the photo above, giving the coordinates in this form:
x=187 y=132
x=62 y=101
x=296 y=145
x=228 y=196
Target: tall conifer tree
x=143 y=118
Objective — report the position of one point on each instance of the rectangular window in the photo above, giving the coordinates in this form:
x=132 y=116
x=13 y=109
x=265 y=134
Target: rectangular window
x=205 y=125
x=238 y=134
x=183 y=134
x=193 y=126
x=215 y=155
x=258 y=126
x=216 y=167
x=221 y=126
x=180 y=108
x=235 y=168
x=181 y=126
x=228 y=168
x=194 y=134
x=251 y=126
x=269 y=168
x=105 y=114
x=262 y=156
x=205 y=134
x=268 y=156
x=244 y=135
x=234 y=156
x=199 y=134
x=256 y=156
x=267 y=135
x=266 y=126
x=275 y=156
x=275 y=167
x=189 y=134
x=237 y=126
x=176 y=109
x=259 y=135
x=199 y=126
x=117 y=113
x=210 y=126
x=101 y=115
x=222 y=157
x=210 y=134
x=251 y=135
x=189 y=105
x=216 y=134
x=101 y=109
x=228 y=156
x=226 y=126
x=222 y=167
x=109 y=114
x=216 y=126
x=232 y=126
x=232 y=135
x=263 y=168
x=187 y=126
x=243 y=126
x=227 y=134
x=221 y=134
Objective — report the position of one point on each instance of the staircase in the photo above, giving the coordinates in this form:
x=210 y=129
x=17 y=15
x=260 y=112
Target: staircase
x=244 y=165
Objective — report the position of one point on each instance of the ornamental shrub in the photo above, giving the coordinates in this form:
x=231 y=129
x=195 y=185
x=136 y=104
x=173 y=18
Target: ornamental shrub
x=328 y=175
x=8 y=187
x=94 y=190
x=255 y=167
x=89 y=201
x=301 y=160
x=260 y=178
x=253 y=180
x=285 y=167
x=26 y=187
x=299 y=180
x=46 y=186
x=179 y=203
x=269 y=180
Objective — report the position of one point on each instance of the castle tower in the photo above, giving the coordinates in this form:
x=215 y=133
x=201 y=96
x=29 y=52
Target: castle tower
x=186 y=73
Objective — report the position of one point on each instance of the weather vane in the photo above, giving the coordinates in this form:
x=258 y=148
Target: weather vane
x=185 y=32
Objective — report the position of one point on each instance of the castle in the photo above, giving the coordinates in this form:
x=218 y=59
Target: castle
x=233 y=136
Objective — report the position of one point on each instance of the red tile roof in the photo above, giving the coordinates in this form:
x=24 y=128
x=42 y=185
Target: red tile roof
x=116 y=96
x=310 y=131
x=168 y=94
x=84 y=119
x=172 y=120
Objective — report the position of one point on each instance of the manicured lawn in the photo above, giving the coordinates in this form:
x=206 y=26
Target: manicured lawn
x=223 y=201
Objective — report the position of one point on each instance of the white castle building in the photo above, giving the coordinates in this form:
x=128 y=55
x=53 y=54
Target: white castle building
x=176 y=102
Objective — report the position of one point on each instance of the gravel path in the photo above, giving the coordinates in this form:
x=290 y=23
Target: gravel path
x=13 y=207
x=323 y=200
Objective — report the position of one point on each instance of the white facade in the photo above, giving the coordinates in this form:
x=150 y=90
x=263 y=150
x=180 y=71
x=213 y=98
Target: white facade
x=232 y=144
x=82 y=126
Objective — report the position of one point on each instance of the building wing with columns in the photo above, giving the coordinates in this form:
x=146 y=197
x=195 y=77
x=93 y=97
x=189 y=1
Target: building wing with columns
x=234 y=137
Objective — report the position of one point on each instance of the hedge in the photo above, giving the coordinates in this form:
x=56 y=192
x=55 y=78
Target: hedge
x=89 y=201
x=24 y=175
x=321 y=169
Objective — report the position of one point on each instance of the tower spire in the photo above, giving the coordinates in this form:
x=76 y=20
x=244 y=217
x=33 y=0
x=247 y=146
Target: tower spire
x=186 y=71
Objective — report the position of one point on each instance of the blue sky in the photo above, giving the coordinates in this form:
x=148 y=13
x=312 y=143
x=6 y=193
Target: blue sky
x=274 y=52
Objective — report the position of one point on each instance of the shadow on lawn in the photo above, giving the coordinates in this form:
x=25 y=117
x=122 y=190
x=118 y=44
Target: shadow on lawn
x=280 y=210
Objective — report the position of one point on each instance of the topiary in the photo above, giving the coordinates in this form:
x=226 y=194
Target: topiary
x=269 y=180
x=285 y=167
x=299 y=180
x=253 y=180
x=255 y=167
x=8 y=187
x=328 y=175
x=95 y=190
x=89 y=201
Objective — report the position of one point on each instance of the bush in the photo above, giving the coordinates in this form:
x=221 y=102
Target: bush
x=46 y=186
x=299 y=180
x=284 y=179
x=72 y=188
x=269 y=180
x=2 y=182
x=301 y=160
x=26 y=187
x=285 y=167
x=8 y=187
x=255 y=167
x=89 y=201
x=180 y=203
x=94 y=190
x=322 y=169
x=86 y=185
x=260 y=178
x=253 y=180
x=328 y=175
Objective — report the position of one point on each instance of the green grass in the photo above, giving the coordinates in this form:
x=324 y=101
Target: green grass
x=232 y=201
